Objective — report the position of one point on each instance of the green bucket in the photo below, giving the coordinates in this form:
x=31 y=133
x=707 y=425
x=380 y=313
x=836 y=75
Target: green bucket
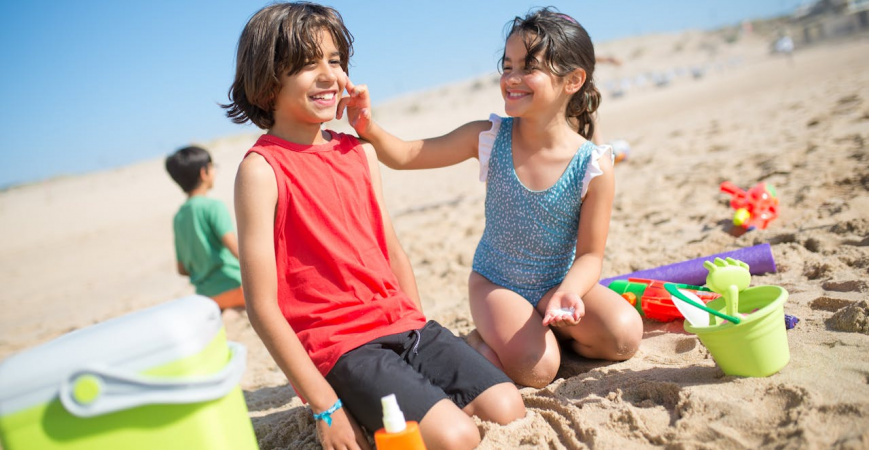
x=758 y=345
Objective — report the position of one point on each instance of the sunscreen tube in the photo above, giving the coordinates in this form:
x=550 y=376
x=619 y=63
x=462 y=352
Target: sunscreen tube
x=397 y=434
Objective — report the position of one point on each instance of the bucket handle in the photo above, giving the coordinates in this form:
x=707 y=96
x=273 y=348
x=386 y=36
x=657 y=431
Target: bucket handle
x=673 y=290
x=95 y=390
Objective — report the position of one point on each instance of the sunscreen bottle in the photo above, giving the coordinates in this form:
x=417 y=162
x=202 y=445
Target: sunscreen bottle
x=397 y=434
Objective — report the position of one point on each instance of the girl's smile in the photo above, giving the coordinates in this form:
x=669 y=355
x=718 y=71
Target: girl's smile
x=525 y=84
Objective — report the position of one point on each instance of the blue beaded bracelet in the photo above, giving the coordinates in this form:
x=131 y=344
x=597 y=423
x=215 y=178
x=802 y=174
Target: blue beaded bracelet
x=326 y=416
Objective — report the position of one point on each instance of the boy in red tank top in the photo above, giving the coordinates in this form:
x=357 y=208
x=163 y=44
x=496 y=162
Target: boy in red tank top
x=328 y=287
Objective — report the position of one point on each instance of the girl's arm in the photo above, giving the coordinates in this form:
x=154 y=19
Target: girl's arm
x=590 y=246
x=451 y=148
x=255 y=200
x=397 y=257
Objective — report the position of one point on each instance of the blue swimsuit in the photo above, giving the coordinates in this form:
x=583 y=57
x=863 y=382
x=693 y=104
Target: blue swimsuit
x=529 y=242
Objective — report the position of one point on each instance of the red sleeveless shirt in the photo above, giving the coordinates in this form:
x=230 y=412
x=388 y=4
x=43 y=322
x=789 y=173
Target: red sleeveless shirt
x=335 y=285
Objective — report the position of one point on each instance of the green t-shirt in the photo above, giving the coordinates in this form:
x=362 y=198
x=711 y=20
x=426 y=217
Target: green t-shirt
x=199 y=225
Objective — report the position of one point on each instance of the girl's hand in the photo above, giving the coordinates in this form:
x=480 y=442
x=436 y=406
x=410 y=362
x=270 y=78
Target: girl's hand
x=564 y=309
x=358 y=104
x=343 y=434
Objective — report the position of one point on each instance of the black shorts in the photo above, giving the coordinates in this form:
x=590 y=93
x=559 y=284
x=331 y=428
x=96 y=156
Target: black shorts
x=421 y=367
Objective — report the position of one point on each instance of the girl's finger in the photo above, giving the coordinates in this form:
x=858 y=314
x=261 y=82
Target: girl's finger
x=347 y=83
x=358 y=91
x=341 y=105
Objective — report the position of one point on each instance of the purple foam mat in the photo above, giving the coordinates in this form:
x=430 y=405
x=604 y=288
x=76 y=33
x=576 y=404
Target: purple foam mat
x=759 y=259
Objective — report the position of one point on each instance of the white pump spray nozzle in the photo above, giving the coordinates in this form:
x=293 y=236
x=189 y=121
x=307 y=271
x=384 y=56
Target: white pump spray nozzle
x=393 y=418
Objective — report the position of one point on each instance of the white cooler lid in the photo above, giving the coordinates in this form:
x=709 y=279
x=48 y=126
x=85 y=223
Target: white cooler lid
x=133 y=342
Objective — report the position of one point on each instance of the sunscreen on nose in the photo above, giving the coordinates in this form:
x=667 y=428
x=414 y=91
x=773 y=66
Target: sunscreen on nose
x=397 y=434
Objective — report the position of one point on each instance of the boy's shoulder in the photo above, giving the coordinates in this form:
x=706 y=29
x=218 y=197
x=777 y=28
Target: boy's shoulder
x=198 y=203
x=271 y=147
x=337 y=138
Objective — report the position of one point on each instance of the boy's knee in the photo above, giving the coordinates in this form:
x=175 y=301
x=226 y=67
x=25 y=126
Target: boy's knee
x=501 y=404
x=510 y=408
x=460 y=433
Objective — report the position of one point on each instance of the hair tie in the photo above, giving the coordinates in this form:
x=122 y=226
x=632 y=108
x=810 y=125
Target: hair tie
x=567 y=18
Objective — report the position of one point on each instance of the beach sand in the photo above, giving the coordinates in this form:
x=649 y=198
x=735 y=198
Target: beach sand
x=79 y=250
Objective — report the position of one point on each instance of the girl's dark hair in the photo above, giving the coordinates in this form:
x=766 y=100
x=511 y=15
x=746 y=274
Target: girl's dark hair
x=185 y=165
x=564 y=46
x=279 y=38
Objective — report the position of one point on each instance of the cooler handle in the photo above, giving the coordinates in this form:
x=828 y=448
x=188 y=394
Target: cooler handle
x=93 y=391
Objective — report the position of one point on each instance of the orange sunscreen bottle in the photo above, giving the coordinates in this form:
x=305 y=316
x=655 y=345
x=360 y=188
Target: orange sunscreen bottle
x=397 y=434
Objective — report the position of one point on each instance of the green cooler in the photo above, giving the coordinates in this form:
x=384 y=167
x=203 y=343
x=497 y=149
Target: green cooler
x=160 y=378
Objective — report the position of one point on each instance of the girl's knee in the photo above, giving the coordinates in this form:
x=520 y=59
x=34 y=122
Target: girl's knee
x=533 y=368
x=626 y=335
x=617 y=340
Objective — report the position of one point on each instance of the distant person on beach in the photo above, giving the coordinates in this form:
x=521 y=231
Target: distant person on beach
x=206 y=247
x=329 y=289
x=548 y=203
x=784 y=45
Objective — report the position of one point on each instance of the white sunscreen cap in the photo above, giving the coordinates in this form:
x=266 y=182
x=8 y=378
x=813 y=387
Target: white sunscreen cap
x=393 y=418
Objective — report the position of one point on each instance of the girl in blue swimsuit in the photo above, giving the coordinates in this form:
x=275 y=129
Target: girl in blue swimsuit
x=549 y=197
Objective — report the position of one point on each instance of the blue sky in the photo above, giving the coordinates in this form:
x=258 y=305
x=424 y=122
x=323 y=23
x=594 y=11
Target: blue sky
x=93 y=84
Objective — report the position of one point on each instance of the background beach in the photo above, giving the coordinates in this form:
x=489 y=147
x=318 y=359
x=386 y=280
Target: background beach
x=82 y=249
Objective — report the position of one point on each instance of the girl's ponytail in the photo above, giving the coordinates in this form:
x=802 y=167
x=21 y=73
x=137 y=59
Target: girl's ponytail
x=582 y=107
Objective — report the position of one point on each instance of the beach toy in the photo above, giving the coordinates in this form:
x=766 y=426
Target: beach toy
x=755 y=208
x=791 y=321
x=621 y=150
x=746 y=335
x=651 y=299
x=164 y=377
x=759 y=259
x=695 y=315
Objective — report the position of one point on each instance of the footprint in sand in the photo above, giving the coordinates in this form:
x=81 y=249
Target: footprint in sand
x=847 y=104
x=648 y=394
x=846 y=285
x=830 y=304
x=685 y=345
x=815 y=270
x=855 y=226
x=853 y=318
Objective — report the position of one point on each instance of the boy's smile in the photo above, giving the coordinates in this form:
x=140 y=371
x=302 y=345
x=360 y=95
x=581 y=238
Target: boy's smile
x=325 y=98
x=309 y=97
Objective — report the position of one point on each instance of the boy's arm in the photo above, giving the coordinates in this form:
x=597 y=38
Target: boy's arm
x=230 y=242
x=397 y=257
x=451 y=148
x=255 y=201
x=181 y=269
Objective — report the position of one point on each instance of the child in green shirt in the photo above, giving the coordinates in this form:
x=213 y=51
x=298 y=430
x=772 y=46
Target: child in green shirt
x=206 y=247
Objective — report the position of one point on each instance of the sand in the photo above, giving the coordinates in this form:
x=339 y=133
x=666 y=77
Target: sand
x=79 y=250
